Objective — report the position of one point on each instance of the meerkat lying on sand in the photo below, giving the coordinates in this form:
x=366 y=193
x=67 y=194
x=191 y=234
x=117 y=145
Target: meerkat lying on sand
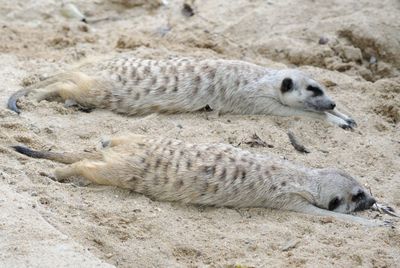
x=216 y=175
x=134 y=86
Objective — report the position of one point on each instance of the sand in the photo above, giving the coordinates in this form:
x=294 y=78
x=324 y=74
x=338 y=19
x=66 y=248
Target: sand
x=45 y=224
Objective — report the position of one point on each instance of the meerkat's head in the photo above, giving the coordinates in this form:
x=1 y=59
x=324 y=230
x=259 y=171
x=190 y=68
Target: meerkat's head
x=340 y=192
x=298 y=90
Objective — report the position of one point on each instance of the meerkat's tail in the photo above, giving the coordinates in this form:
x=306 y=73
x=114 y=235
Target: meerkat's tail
x=65 y=158
x=12 y=101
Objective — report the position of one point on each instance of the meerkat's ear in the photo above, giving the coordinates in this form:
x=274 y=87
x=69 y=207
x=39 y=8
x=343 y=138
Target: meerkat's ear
x=287 y=85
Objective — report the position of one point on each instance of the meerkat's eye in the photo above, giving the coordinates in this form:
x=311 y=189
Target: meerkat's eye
x=358 y=196
x=316 y=90
x=287 y=85
x=334 y=203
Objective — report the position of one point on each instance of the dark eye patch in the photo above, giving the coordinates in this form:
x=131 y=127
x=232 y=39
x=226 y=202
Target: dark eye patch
x=316 y=90
x=287 y=85
x=358 y=197
x=334 y=203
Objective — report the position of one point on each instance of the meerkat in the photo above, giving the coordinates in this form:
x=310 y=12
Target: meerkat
x=132 y=86
x=214 y=175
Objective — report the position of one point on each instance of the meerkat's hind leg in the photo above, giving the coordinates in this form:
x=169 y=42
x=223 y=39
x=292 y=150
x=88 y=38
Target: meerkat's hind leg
x=311 y=209
x=72 y=103
x=92 y=170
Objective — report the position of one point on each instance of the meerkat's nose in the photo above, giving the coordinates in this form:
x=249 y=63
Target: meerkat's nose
x=370 y=202
x=333 y=105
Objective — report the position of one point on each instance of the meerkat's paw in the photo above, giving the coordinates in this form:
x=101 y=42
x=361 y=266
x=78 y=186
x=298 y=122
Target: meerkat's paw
x=72 y=103
x=351 y=123
x=344 y=121
x=105 y=142
x=346 y=126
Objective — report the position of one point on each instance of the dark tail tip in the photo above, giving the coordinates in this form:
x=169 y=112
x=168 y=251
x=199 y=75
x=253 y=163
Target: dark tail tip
x=12 y=101
x=28 y=152
x=12 y=105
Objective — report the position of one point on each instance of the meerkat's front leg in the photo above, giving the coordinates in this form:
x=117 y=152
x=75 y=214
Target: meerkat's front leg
x=346 y=118
x=283 y=110
x=311 y=209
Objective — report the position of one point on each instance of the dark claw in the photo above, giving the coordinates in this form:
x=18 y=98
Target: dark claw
x=351 y=122
x=105 y=143
x=346 y=126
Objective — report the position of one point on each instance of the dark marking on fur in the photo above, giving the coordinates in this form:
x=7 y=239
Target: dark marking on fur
x=222 y=176
x=215 y=190
x=237 y=82
x=251 y=185
x=146 y=70
x=209 y=170
x=236 y=173
x=258 y=167
x=283 y=183
x=197 y=83
x=178 y=184
x=211 y=74
x=107 y=97
x=145 y=170
x=166 y=180
x=162 y=89
x=243 y=178
x=188 y=164
x=133 y=72
x=316 y=91
x=158 y=163
x=176 y=84
x=287 y=85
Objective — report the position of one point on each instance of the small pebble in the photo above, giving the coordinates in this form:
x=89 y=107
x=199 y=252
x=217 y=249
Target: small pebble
x=323 y=40
x=373 y=60
x=187 y=10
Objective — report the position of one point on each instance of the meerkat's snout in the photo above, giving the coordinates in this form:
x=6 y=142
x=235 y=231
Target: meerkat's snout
x=323 y=104
x=363 y=202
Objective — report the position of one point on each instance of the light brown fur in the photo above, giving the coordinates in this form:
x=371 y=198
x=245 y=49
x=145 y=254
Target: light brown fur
x=215 y=174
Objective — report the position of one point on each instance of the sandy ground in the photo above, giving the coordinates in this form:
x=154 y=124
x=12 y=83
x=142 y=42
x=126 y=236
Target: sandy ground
x=47 y=224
